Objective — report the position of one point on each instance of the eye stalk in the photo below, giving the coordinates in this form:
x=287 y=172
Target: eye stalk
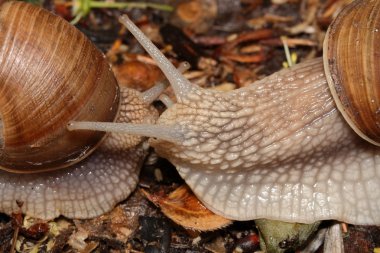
x=179 y=83
x=168 y=133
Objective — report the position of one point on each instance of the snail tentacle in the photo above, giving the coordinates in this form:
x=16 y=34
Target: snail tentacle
x=180 y=84
x=156 y=91
x=163 y=132
x=149 y=96
x=166 y=100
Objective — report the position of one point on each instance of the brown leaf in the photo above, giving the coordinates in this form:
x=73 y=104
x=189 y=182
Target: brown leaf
x=137 y=75
x=252 y=58
x=36 y=231
x=184 y=208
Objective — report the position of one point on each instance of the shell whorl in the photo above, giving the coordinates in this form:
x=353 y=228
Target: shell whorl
x=351 y=60
x=50 y=74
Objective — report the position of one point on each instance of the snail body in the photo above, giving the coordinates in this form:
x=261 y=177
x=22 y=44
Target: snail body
x=51 y=74
x=278 y=149
x=281 y=151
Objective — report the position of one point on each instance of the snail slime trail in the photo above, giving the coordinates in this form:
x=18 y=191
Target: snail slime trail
x=279 y=148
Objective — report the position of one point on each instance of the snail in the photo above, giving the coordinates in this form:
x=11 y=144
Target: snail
x=280 y=148
x=50 y=74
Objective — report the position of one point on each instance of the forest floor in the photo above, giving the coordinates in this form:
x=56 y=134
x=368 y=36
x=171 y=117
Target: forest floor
x=229 y=44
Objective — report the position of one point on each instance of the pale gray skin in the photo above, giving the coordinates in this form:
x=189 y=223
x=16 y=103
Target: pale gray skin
x=91 y=187
x=277 y=149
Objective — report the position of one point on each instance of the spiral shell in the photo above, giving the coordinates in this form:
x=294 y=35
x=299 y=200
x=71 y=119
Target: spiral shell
x=50 y=74
x=352 y=63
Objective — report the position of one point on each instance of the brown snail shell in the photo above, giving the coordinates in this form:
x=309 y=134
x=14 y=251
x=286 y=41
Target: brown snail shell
x=352 y=63
x=79 y=86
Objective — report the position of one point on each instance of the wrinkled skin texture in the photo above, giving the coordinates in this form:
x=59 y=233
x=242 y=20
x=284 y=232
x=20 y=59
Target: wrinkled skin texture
x=278 y=149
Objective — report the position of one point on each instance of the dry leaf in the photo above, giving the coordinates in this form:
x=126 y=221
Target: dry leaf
x=115 y=224
x=184 y=208
x=137 y=75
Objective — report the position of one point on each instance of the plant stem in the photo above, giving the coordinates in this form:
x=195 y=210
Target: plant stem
x=100 y=4
x=82 y=7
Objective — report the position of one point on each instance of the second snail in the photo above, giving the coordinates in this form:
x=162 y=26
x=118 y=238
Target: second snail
x=286 y=147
